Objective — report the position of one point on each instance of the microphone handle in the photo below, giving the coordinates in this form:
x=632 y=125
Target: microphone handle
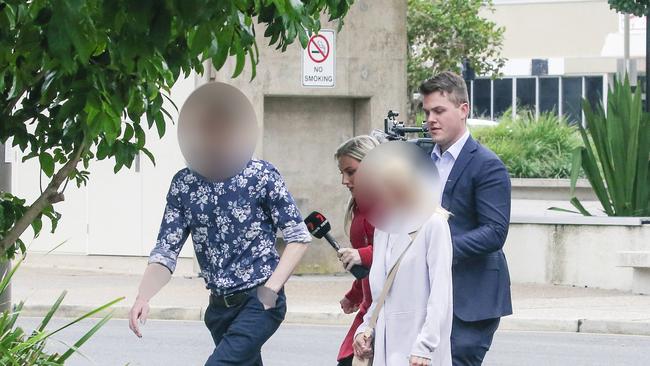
x=330 y=239
x=358 y=271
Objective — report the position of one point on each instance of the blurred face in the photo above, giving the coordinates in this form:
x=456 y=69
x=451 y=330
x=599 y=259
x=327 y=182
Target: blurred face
x=218 y=134
x=217 y=131
x=348 y=167
x=445 y=120
x=394 y=186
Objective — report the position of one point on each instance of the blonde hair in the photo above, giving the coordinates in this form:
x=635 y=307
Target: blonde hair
x=357 y=148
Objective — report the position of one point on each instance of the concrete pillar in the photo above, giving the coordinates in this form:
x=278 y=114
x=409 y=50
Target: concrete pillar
x=641 y=281
x=5 y=265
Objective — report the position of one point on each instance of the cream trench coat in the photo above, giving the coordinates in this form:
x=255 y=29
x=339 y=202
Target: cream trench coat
x=417 y=316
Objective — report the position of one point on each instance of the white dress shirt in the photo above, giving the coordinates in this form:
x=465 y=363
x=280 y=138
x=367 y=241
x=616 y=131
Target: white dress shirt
x=445 y=162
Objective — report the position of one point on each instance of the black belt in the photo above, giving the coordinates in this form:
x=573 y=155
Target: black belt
x=231 y=300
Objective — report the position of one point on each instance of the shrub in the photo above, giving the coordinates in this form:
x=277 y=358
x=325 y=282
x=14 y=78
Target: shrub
x=616 y=153
x=20 y=348
x=532 y=147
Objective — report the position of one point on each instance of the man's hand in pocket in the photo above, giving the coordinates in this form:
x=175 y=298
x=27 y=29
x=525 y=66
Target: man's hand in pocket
x=267 y=297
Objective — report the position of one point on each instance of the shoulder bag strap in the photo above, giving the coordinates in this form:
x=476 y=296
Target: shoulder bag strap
x=389 y=283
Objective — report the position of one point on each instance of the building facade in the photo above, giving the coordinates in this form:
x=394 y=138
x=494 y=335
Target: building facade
x=300 y=129
x=558 y=52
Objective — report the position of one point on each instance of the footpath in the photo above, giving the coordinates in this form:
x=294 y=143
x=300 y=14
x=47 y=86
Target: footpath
x=91 y=281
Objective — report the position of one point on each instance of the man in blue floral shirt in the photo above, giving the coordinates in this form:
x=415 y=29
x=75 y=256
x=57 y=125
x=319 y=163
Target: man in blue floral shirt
x=233 y=206
x=233 y=225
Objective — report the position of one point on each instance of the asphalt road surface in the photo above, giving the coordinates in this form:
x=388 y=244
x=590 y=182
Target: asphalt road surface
x=185 y=343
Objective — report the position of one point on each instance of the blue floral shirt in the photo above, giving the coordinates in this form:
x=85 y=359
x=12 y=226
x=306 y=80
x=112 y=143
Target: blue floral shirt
x=233 y=225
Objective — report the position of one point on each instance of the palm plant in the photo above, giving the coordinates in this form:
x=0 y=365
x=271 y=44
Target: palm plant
x=19 y=348
x=616 y=153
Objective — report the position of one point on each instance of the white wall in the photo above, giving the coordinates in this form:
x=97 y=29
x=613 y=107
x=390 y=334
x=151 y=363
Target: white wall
x=571 y=254
x=115 y=214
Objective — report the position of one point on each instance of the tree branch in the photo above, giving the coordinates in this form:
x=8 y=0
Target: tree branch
x=49 y=196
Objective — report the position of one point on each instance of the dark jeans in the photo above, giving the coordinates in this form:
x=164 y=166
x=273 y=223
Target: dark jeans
x=346 y=361
x=239 y=332
x=470 y=341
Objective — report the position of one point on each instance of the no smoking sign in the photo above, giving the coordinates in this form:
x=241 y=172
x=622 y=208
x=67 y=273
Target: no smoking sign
x=318 y=58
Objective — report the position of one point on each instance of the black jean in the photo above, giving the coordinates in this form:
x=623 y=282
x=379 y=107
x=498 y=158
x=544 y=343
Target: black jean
x=470 y=341
x=346 y=361
x=239 y=332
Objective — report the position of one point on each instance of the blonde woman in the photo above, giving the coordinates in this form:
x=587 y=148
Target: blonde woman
x=410 y=319
x=349 y=155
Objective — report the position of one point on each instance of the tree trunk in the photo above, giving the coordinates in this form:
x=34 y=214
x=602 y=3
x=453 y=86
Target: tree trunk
x=49 y=196
x=5 y=266
x=5 y=297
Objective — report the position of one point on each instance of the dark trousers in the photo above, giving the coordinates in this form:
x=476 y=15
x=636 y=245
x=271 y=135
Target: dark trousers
x=470 y=341
x=346 y=361
x=239 y=332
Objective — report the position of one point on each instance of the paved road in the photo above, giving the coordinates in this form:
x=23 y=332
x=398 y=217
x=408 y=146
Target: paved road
x=172 y=343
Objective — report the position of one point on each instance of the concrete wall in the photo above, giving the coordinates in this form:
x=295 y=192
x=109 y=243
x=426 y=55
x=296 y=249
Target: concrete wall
x=301 y=127
x=572 y=32
x=550 y=189
x=554 y=28
x=115 y=214
x=574 y=251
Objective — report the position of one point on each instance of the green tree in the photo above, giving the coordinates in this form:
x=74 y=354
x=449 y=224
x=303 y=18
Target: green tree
x=443 y=33
x=81 y=80
x=636 y=7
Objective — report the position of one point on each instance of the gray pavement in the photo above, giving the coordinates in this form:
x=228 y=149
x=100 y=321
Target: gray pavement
x=173 y=343
x=92 y=281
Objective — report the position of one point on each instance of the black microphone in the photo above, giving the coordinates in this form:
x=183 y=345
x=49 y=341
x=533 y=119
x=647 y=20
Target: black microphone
x=319 y=227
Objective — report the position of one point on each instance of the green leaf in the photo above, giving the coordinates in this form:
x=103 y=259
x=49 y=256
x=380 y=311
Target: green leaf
x=37 y=226
x=559 y=209
x=161 y=124
x=47 y=163
x=53 y=309
x=85 y=338
x=149 y=155
x=6 y=279
x=577 y=204
x=241 y=59
x=201 y=39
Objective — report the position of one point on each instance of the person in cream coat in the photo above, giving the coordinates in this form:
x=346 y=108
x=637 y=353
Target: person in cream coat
x=414 y=325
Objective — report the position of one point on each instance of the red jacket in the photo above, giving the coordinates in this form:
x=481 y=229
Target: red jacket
x=361 y=235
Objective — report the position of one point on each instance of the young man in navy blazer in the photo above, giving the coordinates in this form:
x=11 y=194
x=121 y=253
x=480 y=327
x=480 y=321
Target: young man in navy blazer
x=476 y=190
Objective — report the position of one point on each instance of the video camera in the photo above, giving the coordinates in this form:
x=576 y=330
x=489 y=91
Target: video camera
x=395 y=130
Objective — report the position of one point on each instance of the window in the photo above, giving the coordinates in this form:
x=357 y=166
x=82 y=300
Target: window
x=482 y=98
x=526 y=94
x=548 y=94
x=572 y=98
x=594 y=89
x=502 y=97
x=490 y=99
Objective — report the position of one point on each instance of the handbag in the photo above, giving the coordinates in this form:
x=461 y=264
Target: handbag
x=390 y=279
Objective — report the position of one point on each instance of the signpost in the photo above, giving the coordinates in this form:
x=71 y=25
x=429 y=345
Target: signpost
x=318 y=60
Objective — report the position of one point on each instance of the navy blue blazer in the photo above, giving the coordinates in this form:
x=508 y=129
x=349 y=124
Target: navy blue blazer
x=477 y=194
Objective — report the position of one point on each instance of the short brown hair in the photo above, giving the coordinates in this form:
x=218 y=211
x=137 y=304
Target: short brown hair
x=449 y=84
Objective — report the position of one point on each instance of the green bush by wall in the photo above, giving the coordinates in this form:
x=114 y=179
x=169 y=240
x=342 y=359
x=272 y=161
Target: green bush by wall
x=532 y=147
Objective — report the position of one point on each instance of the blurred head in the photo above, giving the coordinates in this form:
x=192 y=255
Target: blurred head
x=350 y=154
x=217 y=131
x=396 y=187
x=446 y=107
